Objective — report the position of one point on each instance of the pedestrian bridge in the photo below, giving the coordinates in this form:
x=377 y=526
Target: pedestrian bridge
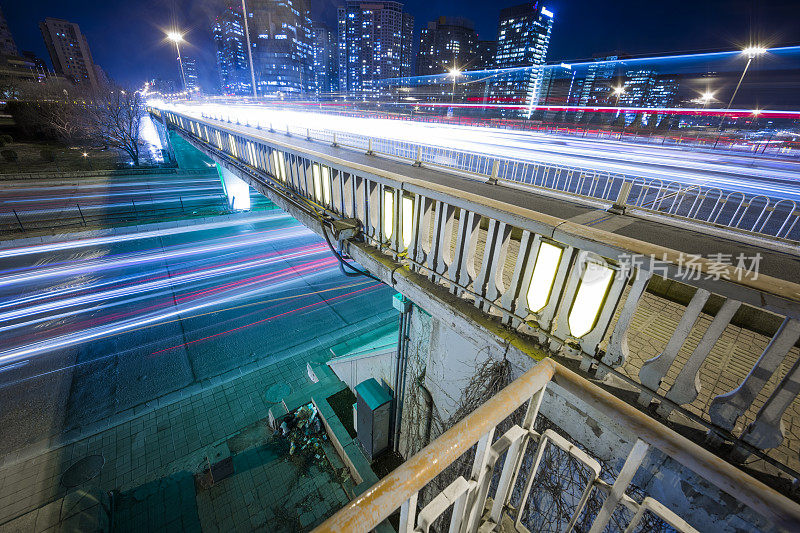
x=687 y=333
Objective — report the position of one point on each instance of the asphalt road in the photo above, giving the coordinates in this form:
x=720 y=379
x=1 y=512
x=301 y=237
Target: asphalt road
x=88 y=329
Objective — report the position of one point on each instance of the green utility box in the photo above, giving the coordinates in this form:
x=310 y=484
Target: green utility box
x=373 y=414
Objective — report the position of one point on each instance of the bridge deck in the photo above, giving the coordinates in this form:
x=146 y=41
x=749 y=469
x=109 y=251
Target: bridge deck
x=779 y=264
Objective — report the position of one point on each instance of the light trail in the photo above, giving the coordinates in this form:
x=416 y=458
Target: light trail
x=197 y=315
x=169 y=282
x=70 y=268
x=159 y=191
x=726 y=170
x=116 y=239
x=270 y=318
x=187 y=306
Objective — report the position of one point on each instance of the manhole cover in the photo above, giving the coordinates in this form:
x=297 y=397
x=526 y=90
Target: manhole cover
x=278 y=392
x=82 y=471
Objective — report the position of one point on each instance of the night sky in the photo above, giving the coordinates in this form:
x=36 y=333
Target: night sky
x=126 y=36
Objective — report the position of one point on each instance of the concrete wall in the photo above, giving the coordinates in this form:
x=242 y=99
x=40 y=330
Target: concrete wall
x=450 y=361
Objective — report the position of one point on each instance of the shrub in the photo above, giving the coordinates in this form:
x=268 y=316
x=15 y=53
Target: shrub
x=47 y=155
x=6 y=139
x=9 y=155
x=2 y=143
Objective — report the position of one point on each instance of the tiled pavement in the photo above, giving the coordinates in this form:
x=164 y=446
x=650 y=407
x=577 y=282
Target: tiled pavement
x=154 y=451
x=723 y=370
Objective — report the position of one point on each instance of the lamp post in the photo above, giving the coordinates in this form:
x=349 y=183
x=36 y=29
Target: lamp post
x=454 y=72
x=177 y=38
x=249 y=50
x=751 y=52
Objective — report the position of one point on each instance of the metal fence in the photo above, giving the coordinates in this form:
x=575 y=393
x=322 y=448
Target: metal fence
x=758 y=215
x=14 y=221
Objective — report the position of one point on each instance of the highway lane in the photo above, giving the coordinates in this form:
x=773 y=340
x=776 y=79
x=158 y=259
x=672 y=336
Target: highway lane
x=91 y=328
x=752 y=175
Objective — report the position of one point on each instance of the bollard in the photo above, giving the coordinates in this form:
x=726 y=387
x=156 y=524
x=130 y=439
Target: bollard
x=369 y=149
x=334 y=140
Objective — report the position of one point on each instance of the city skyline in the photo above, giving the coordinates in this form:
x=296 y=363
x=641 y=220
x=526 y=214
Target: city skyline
x=773 y=22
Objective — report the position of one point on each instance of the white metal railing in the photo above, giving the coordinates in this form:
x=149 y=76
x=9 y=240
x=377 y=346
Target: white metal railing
x=478 y=504
x=760 y=215
x=560 y=282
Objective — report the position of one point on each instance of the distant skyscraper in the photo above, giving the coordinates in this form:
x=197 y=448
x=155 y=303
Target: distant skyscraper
x=487 y=50
x=374 y=44
x=7 y=45
x=596 y=87
x=447 y=43
x=232 y=63
x=326 y=61
x=69 y=51
x=283 y=54
x=645 y=88
x=190 y=72
x=523 y=36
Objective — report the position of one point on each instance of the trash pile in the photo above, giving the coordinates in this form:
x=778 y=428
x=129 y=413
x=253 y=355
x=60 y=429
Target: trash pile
x=303 y=430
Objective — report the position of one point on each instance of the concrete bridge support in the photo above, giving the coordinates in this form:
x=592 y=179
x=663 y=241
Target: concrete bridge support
x=236 y=189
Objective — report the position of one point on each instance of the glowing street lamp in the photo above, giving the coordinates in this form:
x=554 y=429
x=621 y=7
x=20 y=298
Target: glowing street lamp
x=177 y=38
x=618 y=92
x=455 y=72
x=751 y=52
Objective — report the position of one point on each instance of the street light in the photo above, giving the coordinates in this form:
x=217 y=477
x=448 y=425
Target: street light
x=619 y=91
x=249 y=50
x=454 y=72
x=177 y=38
x=751 y=52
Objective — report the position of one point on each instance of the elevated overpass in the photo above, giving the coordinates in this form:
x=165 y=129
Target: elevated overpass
x=512 y=274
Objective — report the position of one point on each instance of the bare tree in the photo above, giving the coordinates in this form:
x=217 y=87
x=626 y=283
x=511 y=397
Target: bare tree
x=116 y=117
x=55 y=110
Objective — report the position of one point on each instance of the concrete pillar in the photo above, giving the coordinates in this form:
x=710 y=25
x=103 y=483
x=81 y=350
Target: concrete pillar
x=236 y=189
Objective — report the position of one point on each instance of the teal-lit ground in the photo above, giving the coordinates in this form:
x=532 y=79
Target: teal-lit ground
x=157 y=351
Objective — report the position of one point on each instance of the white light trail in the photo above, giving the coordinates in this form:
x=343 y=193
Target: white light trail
x=112 y=239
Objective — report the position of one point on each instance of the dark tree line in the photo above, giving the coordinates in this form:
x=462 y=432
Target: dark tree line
x=70 y=114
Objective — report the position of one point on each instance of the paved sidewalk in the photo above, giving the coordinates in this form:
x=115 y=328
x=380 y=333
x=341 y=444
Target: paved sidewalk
x=165 y=444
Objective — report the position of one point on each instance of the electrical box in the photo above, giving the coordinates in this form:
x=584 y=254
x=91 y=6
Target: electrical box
x=374 y=411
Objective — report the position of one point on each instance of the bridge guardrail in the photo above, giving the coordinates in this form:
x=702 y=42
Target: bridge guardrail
x=504 y=459
x=572 y=287
x=758 y=215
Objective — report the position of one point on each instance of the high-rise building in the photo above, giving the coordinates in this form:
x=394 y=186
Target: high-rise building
x=282 y=51
x=7 y=45
x=231 y=50
x=447 y=43
x=645 y=88
x=523 y=35
x=484 y=59
x=326 y=61
x=190 y=72
x=283 y=54
x=596 y=87
x=374 y=44
x=69 y=51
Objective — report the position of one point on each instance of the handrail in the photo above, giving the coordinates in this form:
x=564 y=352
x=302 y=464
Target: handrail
x=783 y=289
x=383 y=498
x=365 y=512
